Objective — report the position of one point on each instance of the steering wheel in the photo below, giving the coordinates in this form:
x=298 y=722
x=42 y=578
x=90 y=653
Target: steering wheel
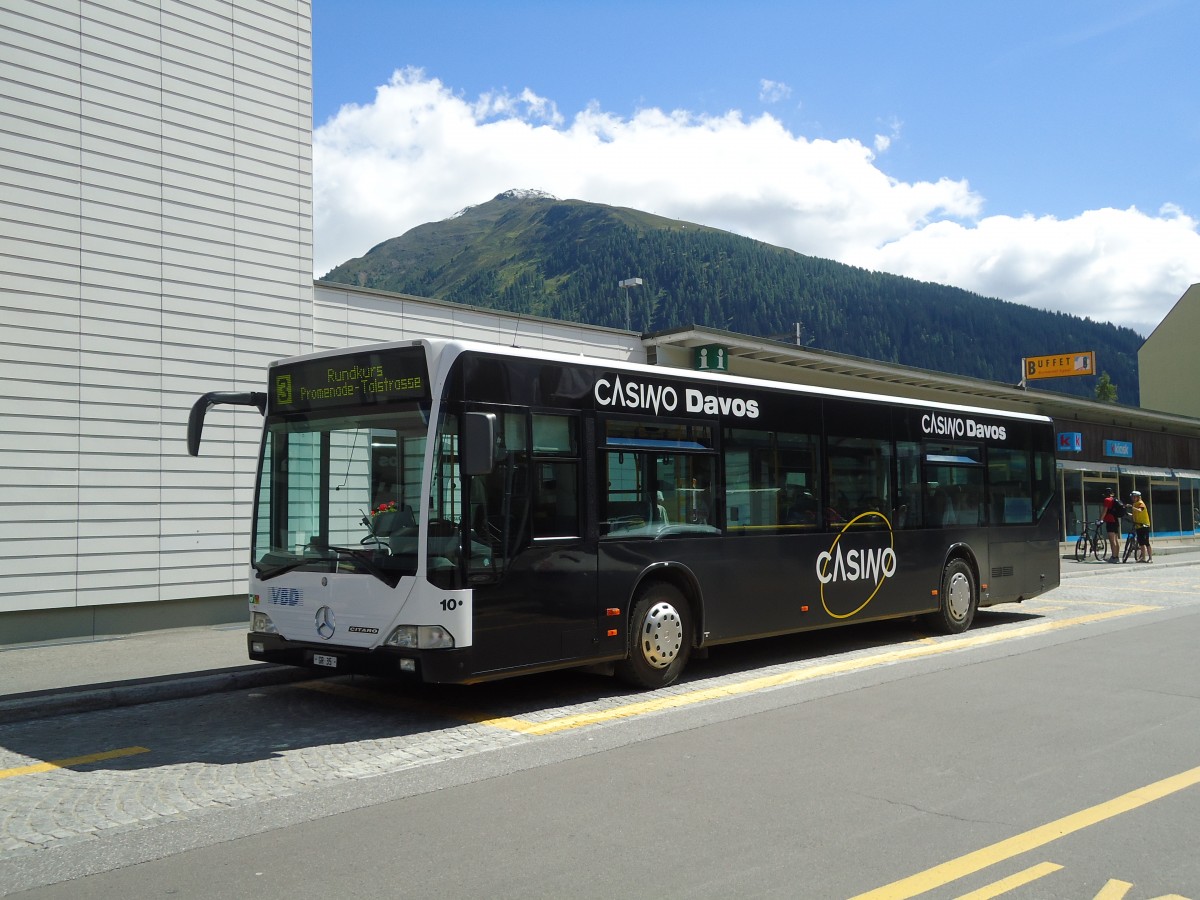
x=442 y=528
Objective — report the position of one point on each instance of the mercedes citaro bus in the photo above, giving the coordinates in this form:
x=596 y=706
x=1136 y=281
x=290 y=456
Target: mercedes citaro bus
x=460 y=512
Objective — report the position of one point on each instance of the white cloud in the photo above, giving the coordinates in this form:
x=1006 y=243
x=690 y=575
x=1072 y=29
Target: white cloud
x=499 y=105
x=884 y=141
x=1114 y=265
x=773 y=91
x=420 y=152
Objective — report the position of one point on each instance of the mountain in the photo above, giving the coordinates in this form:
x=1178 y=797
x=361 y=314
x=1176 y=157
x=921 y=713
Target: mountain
x=528 y=252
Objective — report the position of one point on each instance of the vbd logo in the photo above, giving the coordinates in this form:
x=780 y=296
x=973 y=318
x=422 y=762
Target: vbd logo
x=287 y=596
x=860 y=559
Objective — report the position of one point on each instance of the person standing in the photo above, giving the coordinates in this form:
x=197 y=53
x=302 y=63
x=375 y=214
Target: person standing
x=1141 y=526
x=1112 y=525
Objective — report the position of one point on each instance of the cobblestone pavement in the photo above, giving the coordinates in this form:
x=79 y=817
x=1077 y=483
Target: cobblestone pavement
x=84 y=776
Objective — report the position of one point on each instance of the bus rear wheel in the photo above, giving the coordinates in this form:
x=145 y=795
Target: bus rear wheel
x=660 y=638
x=959 y=598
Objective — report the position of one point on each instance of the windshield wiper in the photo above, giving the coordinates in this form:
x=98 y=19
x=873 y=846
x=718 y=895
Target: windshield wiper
x=363 y=558
x=327 y=559
x=271 y=571
x=265 y=573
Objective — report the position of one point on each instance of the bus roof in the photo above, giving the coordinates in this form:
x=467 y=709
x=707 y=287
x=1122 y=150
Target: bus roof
x=443 y=351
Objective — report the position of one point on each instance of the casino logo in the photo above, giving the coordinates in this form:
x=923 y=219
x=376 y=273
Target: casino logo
x=860 y=559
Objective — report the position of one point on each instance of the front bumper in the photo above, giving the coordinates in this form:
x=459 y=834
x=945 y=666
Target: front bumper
x=385 y=662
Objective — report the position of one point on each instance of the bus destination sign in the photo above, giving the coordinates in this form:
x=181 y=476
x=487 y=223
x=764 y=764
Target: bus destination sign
x=351 y=380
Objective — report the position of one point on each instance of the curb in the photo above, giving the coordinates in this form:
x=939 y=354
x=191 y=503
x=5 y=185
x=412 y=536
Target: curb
x=1089 y=567
x=89 y=698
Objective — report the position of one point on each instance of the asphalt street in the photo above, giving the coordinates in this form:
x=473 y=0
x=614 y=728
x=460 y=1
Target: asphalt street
x=812 y=766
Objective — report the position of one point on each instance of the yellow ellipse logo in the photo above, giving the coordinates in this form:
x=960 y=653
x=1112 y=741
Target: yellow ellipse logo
x=850 y=565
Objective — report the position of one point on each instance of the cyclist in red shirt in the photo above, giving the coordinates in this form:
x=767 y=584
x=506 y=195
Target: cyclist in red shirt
x=1112 y=525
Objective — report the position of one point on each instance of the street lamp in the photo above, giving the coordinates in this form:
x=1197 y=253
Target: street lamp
x=626 y=284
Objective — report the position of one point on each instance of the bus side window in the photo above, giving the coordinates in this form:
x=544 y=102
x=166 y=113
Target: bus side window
x=1012 y=484
x=498 y=503
x=860 y=471
x=907 y=513
x=955 y=497
x=944 y=509
x=771 y=481
x=623 y=502
x=556 y=503
x=556 y=476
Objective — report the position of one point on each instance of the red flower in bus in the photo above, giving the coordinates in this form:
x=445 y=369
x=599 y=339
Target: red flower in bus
x=390 y=506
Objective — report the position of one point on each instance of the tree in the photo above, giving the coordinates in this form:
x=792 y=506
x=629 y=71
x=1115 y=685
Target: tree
x=1106 y=391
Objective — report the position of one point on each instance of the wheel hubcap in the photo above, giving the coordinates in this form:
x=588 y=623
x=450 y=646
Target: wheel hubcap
x=661 y=635
x=959 y=599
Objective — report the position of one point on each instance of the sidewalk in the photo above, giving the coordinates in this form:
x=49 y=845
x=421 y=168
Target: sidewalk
x=1166 y=553
x=38 y=680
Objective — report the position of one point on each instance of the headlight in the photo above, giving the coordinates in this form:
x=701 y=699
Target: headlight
x=420 y=637
x=403 y=636
x=260 y=622
x=434 y=637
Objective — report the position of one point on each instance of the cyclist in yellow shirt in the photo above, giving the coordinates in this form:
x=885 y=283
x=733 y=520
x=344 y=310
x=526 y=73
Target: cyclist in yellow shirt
x=1141 y=526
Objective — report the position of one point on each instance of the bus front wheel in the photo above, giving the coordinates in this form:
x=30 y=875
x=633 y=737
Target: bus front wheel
x=660 y=638
x=959 y=598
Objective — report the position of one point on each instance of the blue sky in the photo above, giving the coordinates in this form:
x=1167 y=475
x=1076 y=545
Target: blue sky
x=1045 y=153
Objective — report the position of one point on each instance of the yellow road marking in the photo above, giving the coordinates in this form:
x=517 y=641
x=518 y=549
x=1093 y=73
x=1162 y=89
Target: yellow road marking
x=1004 y=885
x=1114 y=890
x=1118 y=603
x=1189 y=590
x=978 y=860
x=918 y=650
x=795 y=676
x=73 y=761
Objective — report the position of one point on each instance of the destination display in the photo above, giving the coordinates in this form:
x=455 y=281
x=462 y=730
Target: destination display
x=352 y=380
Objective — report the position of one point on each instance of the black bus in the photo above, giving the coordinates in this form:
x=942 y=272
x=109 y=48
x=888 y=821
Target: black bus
x=461 y=512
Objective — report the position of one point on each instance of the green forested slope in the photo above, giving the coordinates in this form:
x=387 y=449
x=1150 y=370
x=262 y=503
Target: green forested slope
x=527 y=252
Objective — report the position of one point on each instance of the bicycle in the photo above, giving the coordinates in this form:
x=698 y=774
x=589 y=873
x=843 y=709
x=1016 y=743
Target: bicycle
x=1130 y=544
x=1094 y=538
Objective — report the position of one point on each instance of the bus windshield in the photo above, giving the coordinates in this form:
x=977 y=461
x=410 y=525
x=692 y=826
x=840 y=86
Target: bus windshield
x=338 y=493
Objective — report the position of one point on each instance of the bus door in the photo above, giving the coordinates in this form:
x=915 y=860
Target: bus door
x=657 y=494
x=535 y=597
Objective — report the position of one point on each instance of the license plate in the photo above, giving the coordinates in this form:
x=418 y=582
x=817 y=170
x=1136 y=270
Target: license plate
x=319 y=660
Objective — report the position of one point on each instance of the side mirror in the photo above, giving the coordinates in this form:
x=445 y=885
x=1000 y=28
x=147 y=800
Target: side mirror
x=200 y=408
x=478 y=442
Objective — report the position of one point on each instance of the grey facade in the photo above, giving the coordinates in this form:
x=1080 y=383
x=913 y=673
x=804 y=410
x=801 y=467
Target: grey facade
x=155 y=239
